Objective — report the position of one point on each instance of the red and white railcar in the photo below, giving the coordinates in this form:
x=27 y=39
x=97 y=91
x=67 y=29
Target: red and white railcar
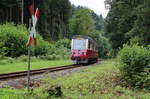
x=83 y=49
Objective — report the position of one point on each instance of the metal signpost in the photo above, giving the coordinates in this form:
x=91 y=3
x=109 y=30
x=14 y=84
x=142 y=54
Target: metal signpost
x=32 y=36
x=28 y=74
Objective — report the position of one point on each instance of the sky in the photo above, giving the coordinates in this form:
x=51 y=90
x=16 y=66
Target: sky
x=96 y=5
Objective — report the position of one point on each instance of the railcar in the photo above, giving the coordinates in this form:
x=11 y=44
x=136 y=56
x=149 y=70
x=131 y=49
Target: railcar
x=83 y=50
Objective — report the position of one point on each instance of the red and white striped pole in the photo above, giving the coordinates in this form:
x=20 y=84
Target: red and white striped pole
x=32 y=37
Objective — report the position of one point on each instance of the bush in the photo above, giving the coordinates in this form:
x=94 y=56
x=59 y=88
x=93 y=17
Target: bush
x=134 y=63
x=104 y=46
x=136 y=40
x=42 y=48
x=14 y=39
x=63 y=43
x=23 y=58
x=2 y=50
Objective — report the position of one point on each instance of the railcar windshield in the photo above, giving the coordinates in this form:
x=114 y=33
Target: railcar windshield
x=79 y=44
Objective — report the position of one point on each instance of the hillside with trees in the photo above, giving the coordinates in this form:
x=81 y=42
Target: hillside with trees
x=127 y=19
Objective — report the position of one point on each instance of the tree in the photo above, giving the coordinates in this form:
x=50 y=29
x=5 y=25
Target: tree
x=81 y=22
x=120 y=22
x=99 y=21
x=53 y=23
x=142 y=24
x=54 y=16
x=10 y=10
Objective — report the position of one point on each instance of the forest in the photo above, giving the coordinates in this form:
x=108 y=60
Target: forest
x=61 y=20
x=131 y=19
x=123 y=37
x=58 y=20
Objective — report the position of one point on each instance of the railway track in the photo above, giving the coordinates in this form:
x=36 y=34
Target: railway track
x=37 y=71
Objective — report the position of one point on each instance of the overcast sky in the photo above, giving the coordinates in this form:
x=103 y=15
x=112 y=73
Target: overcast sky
x=96 y=5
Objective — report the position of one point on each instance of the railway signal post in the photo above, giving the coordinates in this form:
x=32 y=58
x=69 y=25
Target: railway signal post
x=28 y=74
x=32 y=37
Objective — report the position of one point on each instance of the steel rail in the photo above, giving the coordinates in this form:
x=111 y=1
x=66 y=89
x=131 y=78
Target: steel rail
x=37 y=71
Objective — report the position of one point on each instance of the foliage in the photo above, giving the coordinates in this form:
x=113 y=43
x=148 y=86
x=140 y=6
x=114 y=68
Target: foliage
x=99 y=21
x=81 y=22
x=143 y=20
x=43 y=47
x=14 y=39
x=93 y=83
x=10 y=10
x=63 y=43
x=54 y=16
x=134 y=65
x=86 y=22
x=59 y=50
x=104 y=46
x=2 y=50
x=127 y=19
x=136 y=40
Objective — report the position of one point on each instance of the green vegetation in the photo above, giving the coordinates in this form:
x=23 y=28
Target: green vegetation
x=127 y=23
x=66 y=21
x=97 y=82
x=54 y=15
x=20 y=64
x=13 y=41
x=127 y=19
x=134 y=66
x=81 y=22
x=85 y=22
x=13 y=38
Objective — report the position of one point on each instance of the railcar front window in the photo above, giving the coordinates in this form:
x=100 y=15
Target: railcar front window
x=79 y=44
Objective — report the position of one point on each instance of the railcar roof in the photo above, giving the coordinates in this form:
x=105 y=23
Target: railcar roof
x=85 y=37
x=81 y=36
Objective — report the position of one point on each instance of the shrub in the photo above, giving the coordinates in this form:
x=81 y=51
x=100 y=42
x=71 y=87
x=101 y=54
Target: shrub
x=58 y=52
x=104 y=46
x=47 y=57
x=63 y=43
x=43 y=47
x=14 y=39
x=2 y=50
x=23 y=58
x=134 y=61
x=136 y=40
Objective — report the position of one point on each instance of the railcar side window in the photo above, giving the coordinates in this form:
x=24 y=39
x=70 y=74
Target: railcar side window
x=89 y=43
x=91 y=46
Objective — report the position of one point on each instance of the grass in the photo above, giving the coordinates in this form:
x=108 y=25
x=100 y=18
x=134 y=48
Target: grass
x=97 y=82
x=13 y=65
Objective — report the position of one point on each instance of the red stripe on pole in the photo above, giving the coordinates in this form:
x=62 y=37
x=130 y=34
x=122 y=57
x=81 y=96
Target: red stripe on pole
x=29 y=41
x=31 y=9
x=37 y=13
x=35 y=42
